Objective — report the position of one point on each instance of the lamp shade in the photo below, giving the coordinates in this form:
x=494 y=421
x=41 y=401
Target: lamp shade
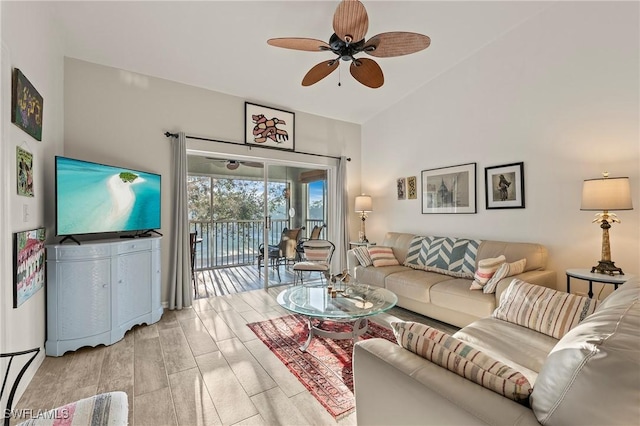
x=606 y=194
x=363 y=203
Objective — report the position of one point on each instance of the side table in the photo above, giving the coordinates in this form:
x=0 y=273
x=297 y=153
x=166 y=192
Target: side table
x=587 y=275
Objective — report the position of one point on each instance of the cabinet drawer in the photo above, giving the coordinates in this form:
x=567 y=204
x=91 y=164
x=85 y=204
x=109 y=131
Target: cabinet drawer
x=93 y=251
x=133 y=246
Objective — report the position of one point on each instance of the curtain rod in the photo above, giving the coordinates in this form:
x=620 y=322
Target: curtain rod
x=175 y=135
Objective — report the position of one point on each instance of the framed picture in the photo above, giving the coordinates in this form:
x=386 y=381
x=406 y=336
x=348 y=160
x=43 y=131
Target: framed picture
x=412 y=188
x=28 y=264
x=26 y=105
x=269 y=127
x=401 y=189
x=504 y=186
x=24 y=171
x=449 y=189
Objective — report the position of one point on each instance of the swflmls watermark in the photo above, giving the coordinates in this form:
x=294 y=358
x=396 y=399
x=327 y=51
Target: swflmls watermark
x=28 y=413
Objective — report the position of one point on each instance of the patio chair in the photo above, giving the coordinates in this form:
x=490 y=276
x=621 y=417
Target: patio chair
x=284 y=252
x=315 y=234
x=316 y=258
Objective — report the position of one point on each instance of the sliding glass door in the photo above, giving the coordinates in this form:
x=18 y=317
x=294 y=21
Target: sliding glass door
x=279 y=226
x=241 y=209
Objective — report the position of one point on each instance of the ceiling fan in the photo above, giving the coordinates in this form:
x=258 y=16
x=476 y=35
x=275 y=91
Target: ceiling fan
x=234 y=164
x=350 y=24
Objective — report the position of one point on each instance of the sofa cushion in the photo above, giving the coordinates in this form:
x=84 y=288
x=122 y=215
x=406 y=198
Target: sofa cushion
x=505 y=270
x=519 y=347
x=485 y=270
x=454 y=294
x=591 y=376
x=462 y=359
x=413 y=284
x=382 y=256
x=362 y=254
x=377 y=276
x=543 y=309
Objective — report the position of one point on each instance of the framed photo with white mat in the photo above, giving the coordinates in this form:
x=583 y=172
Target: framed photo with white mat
x=504 y=186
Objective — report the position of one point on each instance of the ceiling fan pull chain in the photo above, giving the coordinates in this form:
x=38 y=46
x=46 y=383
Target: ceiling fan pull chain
x=339 y=77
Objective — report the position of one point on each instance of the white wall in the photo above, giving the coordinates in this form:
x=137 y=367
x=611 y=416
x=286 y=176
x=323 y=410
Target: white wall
x=32 y=44
x=118 y=117
x=560 y=92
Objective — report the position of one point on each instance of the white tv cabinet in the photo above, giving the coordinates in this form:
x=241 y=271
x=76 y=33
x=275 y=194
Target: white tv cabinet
x=98 y=290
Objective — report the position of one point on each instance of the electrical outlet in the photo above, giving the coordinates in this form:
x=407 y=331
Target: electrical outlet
x=25 y=213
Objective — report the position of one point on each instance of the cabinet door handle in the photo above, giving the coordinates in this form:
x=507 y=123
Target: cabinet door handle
x=104 y=285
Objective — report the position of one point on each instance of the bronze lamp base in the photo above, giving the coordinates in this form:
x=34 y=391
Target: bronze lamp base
x=606 y=267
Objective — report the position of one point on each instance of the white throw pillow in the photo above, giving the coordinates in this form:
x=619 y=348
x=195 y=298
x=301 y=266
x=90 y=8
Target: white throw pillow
x=505 y=270
x=485 y=270
x=362 y=254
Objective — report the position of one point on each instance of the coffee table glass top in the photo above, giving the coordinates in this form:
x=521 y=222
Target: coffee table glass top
x=356 y=301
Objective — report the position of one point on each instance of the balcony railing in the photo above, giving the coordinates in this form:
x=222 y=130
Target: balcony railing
x=225 y=243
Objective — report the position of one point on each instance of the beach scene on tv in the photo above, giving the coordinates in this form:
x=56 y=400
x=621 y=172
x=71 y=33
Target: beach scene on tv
x=93 y=198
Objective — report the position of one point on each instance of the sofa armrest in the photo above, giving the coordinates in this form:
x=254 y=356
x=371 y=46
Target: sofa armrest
x=395 y=386
x=352 y=262
x=543 y=278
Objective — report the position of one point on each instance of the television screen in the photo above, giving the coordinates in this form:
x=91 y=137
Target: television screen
x=93 y=198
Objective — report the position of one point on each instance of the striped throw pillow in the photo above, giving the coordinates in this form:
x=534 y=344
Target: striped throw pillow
x=382 y=256
x=485 y=270
x=505 y=270
x=542 y=309
x=316 y=253
x=362 y=254
x=462 y=359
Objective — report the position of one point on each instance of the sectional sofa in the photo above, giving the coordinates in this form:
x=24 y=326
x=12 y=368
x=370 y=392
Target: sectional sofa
x=443 y=292
x=589 y=376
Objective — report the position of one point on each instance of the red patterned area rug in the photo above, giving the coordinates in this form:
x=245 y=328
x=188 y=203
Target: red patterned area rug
x=325 y=368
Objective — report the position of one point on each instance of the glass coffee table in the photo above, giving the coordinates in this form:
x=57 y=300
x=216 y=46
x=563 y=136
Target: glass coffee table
x=354 y=304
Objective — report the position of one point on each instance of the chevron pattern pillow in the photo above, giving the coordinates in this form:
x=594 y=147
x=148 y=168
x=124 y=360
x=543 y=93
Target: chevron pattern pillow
x=417 y=253
x=450 y=256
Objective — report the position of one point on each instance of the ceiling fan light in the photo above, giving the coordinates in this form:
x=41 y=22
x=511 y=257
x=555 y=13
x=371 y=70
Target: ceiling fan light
x=232 y=165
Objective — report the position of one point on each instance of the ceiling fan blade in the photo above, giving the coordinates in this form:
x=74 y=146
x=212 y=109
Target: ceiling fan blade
x=252 y=164
x=350 y=21
x=367 y=72
x=396 y=43
x=299 y=43
x=320 y=71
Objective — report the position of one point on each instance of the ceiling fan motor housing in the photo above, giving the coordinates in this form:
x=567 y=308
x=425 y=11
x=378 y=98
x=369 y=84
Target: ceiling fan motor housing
x=345 y=50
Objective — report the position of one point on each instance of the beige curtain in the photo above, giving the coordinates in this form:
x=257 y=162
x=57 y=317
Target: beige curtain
x=342 y=207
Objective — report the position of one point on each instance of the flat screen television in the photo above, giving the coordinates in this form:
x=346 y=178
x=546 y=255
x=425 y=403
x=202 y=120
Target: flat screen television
x=96 y=198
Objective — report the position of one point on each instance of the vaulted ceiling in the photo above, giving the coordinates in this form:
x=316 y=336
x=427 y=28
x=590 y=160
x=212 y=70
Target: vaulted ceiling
x=221 y=45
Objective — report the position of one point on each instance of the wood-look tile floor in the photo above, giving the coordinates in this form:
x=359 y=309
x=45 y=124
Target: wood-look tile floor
x=196 y=366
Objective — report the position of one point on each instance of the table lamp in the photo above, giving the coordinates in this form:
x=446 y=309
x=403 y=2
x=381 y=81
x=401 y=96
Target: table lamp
x=606 y=194
x=363 y=206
